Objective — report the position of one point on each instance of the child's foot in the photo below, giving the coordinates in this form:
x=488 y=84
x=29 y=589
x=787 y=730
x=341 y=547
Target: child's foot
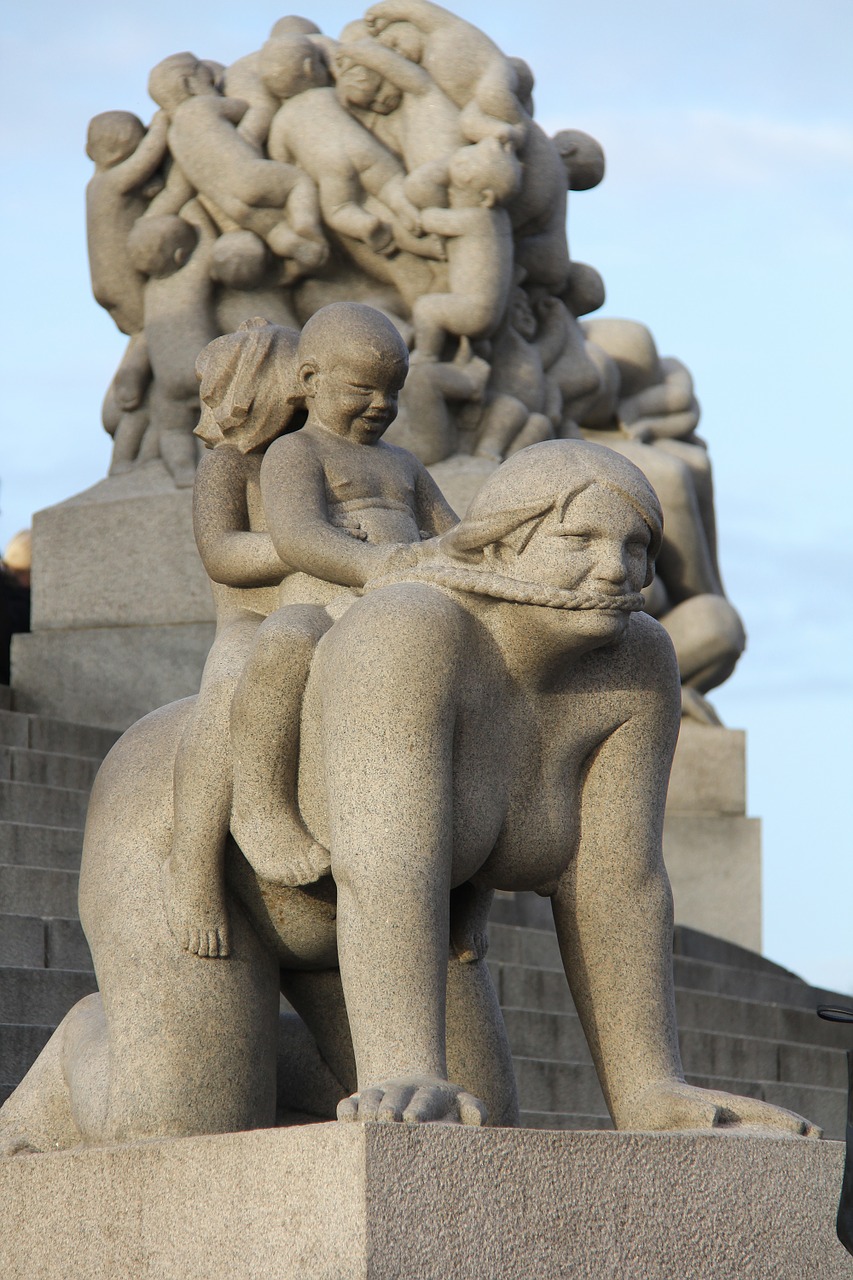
x=196 y=914
x=275 y=843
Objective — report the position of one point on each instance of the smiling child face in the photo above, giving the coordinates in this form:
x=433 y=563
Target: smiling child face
x=355 y=395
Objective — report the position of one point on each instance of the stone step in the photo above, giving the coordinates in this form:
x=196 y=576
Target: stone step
x=44 y=891
x=569 y=1087
x=559 y=1037
x=530 y=911
x=20 y=1045
x=54 y=806
x=32 y=942
x=48 y=768
x=41 y=997
x=696 y=945
x=537 y=947
x=33 y=845
x=42 y=733
x=526 y=987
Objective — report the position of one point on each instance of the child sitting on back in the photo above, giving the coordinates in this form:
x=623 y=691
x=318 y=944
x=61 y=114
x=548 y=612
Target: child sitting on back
x=341 y=507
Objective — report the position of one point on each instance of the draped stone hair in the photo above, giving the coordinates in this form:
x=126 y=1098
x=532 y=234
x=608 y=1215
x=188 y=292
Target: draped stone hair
x=248 y=379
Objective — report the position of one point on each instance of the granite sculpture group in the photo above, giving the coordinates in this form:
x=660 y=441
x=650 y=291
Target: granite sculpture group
x=426 y=711
x=401 y=711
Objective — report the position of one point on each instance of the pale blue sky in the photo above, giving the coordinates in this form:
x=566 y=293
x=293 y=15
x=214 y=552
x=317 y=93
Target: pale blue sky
x=724 y=223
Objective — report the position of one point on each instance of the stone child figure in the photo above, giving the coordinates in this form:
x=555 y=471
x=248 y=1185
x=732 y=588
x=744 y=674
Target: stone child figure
x=314 y=130
x=479 y=249
x=175 y=254
x=277 y=201
x=247 y=384
x=126 y=157
x=463 y=62
x=341 y=506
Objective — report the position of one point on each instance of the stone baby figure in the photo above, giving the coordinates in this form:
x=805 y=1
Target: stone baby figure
x=342 y=507
x=247 y=394
x=479 y=249
x=175 y=254
x=276 y=201
x=313 y=129
x=126 y=156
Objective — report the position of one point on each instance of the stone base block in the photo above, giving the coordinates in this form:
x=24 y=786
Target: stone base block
x=714 y=865
x=120 y=554
x=709 y=770
x=333 y=1202
x=108 y=675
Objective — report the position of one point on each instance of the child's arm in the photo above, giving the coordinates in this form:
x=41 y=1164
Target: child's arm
x=553 y=332
x=232 y=109
x=199 y=262
x=433 y=512
x=389 y=64
x=293 y=488
x=230 y=552
x=423 y=15
x=147 y=157
x=448 y=222
x=175 y=194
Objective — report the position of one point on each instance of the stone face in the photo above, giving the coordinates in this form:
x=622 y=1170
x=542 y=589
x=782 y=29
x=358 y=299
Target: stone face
x=331 y=1202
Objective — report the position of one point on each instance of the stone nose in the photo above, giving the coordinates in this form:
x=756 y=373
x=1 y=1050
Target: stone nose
x=610 y=563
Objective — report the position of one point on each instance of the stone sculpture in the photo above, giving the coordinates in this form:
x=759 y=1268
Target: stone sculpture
x=399 y=166
x=645 y=409
x=485 y=708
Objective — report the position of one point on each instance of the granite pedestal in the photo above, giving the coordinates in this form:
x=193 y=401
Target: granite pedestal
x=334 y=1202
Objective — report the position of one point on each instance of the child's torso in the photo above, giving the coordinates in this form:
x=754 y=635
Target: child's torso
x=370 y=488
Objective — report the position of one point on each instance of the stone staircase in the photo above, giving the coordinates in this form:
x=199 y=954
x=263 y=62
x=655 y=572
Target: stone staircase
x=47 y=768
x=747 y=1025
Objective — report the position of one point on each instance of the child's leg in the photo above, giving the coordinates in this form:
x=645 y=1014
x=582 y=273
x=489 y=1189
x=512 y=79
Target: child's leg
x=536 y=429
x=265 y=721
x=502 y=421
x=127 y=440
x=437 y=314
x=193 y=885
x=339 y=201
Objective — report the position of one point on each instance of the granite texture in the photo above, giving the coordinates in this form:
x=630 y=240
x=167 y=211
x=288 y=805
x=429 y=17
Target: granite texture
x=401 y=166
x=430 y=1202
x=535 y=756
